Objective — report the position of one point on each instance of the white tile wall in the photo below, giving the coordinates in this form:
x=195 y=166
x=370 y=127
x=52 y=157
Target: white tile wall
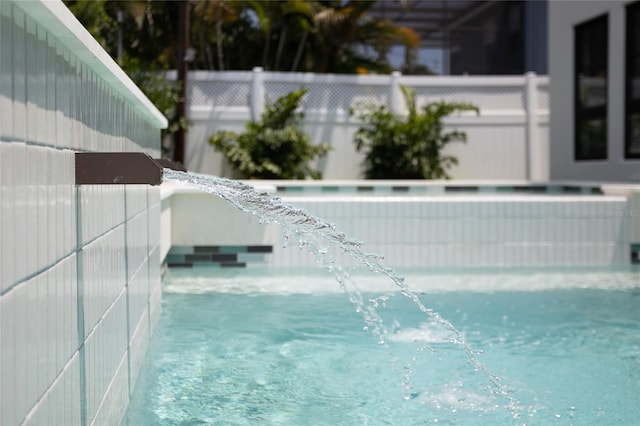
x=104 y=275
x=199 y=218
x=137 y=348
x=39 y=325
x=8 y=330
x=138 y=294
x=61 y=403
x=165 y=223
x=103 y=206
x=447 y=231
x=471 y=231
x=64 y=342
x=7 y=224
x=155 y=288
x=137 y=234
x=136 y=199
x=116 y=399
x=104 y=349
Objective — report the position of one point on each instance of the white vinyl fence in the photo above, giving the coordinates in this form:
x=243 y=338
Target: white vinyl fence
x=509 y=139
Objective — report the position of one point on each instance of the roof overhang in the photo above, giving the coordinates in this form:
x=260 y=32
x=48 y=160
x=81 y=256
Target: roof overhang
x=432 y=20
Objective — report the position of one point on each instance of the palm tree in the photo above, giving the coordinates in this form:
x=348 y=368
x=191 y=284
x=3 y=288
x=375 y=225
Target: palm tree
x=297 y=15
x=309 y=35
x=218 y=13
x=345 y=37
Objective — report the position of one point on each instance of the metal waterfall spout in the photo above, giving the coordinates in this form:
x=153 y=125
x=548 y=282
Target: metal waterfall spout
x=120 y=168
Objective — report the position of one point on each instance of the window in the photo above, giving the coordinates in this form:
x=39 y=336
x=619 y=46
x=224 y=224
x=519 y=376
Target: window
x=632 y=101
x=591 y=52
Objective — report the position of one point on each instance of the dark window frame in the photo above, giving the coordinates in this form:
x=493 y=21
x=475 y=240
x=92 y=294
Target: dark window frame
x=583 y=114
x=631 y=106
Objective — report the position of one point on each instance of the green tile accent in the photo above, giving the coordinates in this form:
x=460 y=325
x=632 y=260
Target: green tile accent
x=530 y=189
x=399 y=189
x=205 y=257
x=224 y=257
x=259 y=249
x=175 y=258
x=364 y=188
x=180 y=265
x=232 y=249
x=460 y=189
x=290 y=188
x=330 y=189
x=487 y=189
x=181 y=250
x=505 y=189
x=206 y=249
x=233 y=265
x=571 y=189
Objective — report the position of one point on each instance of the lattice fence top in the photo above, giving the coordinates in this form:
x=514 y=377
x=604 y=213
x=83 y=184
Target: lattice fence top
x=332 y=92
x=543 y=97
x=220 y=93
x=322 y=96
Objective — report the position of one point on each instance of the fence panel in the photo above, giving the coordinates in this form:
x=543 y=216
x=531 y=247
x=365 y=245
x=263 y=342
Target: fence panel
x=507 y=140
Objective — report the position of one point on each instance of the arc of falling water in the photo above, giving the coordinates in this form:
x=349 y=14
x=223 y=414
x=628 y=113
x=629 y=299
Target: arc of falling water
x=269 y=209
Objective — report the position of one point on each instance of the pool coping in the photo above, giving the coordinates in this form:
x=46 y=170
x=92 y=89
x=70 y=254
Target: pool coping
x=459 y=189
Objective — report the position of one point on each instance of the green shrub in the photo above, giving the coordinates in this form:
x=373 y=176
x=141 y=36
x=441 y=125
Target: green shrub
x=407 y=147
x=274 y=147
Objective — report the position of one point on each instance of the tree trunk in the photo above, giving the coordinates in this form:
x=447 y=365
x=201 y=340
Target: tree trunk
x=299 y=51
x=219 y=39
x=283 y=36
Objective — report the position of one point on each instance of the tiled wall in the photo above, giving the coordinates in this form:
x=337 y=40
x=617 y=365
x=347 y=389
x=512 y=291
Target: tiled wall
x=79 y=266
x=543 y=228
x=476 y=231
x=221 y=256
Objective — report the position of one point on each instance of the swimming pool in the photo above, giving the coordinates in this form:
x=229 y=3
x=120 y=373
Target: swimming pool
x=274 y=346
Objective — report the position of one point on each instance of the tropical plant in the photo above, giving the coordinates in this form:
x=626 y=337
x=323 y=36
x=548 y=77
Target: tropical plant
x=275 y=147
x=348 y=40
x=143 y=43
x=326 y=36
x=407 y=146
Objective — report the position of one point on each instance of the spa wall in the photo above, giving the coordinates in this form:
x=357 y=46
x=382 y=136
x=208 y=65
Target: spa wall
x=79 y=265
x=423 y=225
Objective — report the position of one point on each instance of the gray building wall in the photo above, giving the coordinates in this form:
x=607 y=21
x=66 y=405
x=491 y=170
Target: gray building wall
x=563 y=16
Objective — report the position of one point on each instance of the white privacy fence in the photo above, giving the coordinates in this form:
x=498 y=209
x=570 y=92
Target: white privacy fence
x=508 y=140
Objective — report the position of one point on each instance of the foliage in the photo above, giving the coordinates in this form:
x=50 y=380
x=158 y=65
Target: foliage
x=274 y=147
x=94 y=17
x=348 y=39
x=148 y=44
x=407 y=147
x=324 y=36
x=162 y=92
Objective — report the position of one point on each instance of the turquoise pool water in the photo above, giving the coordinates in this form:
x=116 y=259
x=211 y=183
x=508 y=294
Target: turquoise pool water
x=269 y=347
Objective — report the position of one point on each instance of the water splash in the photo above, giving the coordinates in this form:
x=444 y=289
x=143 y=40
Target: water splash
x=308 y=229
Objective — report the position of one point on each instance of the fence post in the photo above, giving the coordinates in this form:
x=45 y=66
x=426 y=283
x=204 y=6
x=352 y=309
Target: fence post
x=395 y=94
x=534 y=161
x=257 y=93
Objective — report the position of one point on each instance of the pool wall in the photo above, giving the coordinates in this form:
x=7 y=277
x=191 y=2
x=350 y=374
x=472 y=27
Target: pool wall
x=79 y=266
x=417 y=224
